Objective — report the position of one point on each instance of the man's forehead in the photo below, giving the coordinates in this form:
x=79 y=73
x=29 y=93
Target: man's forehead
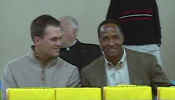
x=51 y=28
x=109 y=27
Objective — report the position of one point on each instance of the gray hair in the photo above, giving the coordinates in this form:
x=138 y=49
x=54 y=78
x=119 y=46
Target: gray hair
x=72 y=20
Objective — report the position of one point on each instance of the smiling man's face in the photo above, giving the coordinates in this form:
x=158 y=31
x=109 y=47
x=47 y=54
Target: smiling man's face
x=50 y=44
x=111 y=40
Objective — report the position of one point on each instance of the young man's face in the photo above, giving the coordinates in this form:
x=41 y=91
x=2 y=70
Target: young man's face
x=111 y=40
x=49 y=45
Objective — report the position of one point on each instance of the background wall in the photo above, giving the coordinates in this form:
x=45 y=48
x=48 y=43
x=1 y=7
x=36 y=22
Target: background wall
x=167 y=18
x=16 y=16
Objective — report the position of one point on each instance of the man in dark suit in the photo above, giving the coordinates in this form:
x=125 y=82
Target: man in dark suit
x=74 y=51
x=119 y=65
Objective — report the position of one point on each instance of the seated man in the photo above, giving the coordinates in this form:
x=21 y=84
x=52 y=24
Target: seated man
x=73 y=51
x=140 y=23
x=41 y=67
x=119 y=65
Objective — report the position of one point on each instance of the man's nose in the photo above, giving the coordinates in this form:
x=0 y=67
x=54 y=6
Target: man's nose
x=59 y=43
x=111 y=42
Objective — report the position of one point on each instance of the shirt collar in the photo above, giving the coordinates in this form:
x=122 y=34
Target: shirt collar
x=74 y=42
x=122 y=60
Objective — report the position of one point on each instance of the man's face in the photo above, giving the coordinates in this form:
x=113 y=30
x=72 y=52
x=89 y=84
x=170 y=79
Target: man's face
x=69 y=32
x=49 y=45
x=111 y=40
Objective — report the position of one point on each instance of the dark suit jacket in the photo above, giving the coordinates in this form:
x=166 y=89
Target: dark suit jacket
x=143 y=70
x=81 y=54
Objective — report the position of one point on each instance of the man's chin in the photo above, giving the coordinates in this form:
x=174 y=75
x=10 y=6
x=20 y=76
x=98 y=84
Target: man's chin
x=56 y=54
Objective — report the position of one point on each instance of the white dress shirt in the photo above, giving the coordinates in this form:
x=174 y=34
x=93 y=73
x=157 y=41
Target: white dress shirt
x=117 y=74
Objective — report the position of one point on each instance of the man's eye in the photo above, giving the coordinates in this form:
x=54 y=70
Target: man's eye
x=54 y=39
x=62 y=30
x=116 y=37
x=105 y=38
x=60 y=38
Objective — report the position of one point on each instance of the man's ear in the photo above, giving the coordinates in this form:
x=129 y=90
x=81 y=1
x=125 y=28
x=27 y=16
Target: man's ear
x=100 y=43
x=37 y=40
x=75 y=31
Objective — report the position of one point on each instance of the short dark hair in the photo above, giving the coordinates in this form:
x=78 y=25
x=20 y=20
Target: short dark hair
x=39 y=24
x=109 y=21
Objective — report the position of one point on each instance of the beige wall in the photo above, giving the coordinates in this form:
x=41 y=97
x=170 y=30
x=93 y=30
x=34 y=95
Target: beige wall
x=167 y=17
x=16 y=16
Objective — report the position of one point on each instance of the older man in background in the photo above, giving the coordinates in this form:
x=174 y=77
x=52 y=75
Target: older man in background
x=73 y=51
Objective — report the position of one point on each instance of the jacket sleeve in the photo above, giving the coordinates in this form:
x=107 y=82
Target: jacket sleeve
x=84 y=81
x=74 y=80
x=158 y=77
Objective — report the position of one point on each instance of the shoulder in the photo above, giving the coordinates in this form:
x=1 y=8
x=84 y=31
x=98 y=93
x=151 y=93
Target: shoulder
x=15 y=65
x=99 y=62
x=19 y=61
x=139 y=54
x=65 y=65
x=141 y=58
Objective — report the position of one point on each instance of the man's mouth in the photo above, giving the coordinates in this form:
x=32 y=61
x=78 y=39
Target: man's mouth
x=111 y=49
x=57 y=49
